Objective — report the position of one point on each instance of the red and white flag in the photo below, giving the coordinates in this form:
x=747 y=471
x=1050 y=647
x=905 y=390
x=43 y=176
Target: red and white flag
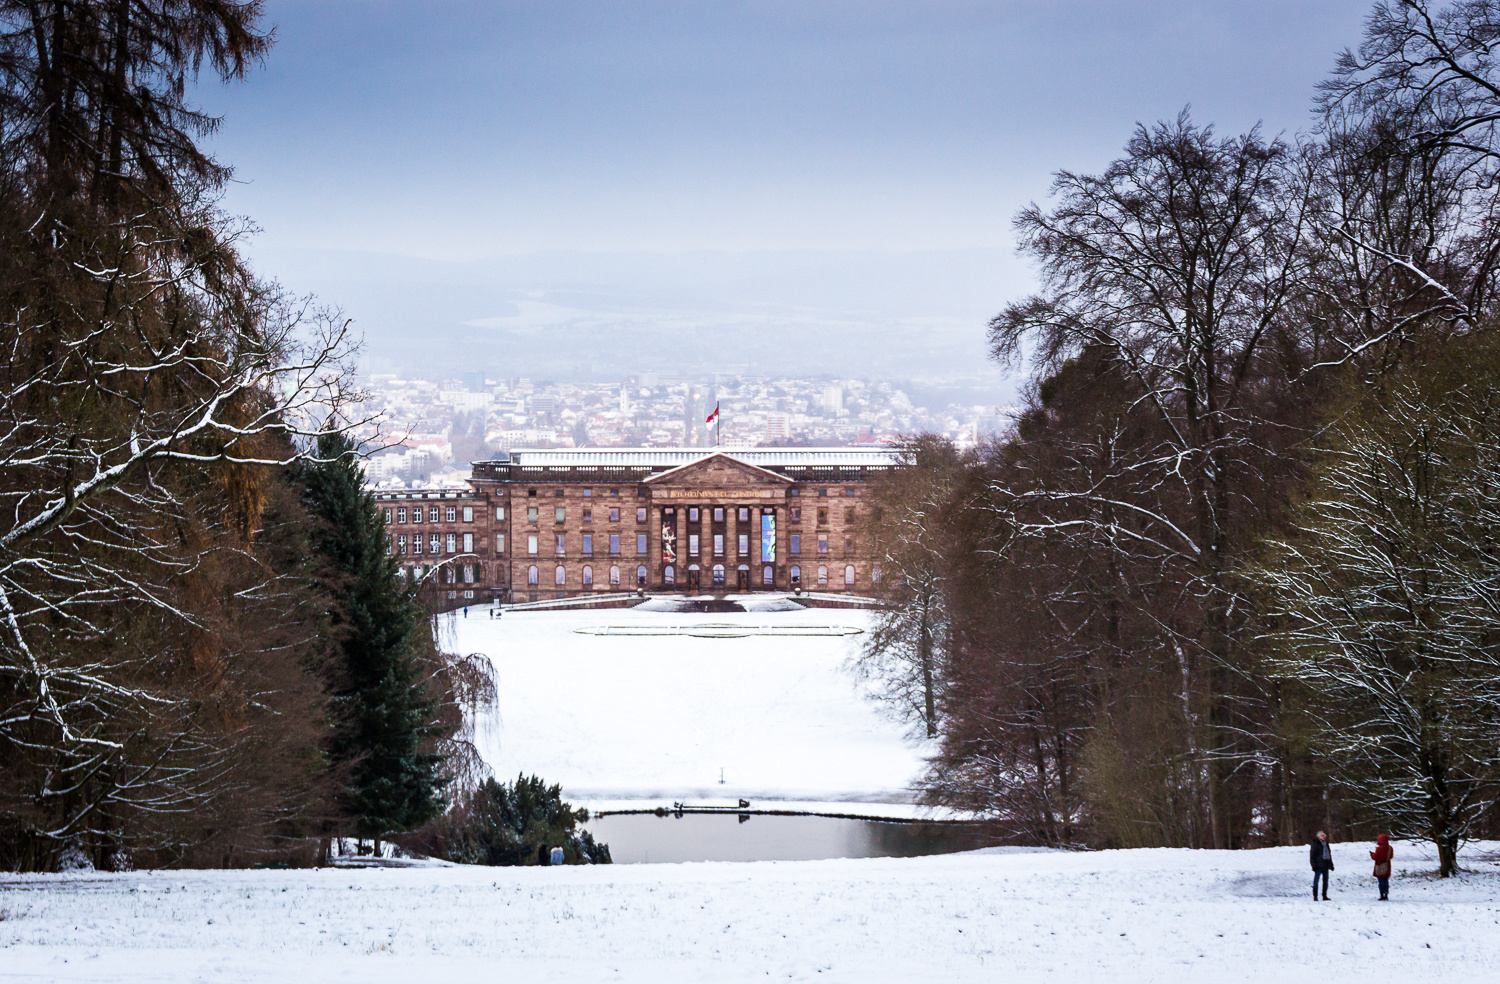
x=713 y=416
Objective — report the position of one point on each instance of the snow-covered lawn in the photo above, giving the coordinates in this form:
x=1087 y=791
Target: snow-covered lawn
x=655 y=718
x=1117 y=916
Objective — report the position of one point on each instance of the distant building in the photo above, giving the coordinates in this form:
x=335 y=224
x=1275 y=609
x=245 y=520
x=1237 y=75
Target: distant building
x=559 y=523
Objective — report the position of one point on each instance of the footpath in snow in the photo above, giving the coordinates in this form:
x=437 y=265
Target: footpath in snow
x=1118 y=916
x=622 y=718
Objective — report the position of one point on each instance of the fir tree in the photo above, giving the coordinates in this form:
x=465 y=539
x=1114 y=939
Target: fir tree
x=384 y=717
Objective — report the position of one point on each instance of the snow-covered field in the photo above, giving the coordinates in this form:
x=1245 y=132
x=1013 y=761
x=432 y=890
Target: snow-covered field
x=1118 y=916
x=656 y=718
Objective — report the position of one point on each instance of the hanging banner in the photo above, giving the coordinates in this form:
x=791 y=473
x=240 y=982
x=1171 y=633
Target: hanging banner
x=768 y=537
x=669 y=536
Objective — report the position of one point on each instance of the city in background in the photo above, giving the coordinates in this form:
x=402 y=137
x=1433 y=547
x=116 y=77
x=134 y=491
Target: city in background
x=432 y=429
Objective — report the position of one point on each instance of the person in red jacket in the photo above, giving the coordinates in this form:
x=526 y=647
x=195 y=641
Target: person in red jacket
x=1382 y=857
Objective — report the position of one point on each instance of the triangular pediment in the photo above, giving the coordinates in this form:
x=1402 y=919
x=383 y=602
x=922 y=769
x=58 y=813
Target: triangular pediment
x=718 y=469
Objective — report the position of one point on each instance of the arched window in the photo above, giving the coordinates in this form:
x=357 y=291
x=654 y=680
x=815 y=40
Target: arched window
x=640 y=575
x=614 y=576
x=796 y=574
x=849 y=575
x=468 y=573
x=768 y=575
x=718 y=575
x=588 y=576
x=669 y=575
x=822 y=577
x=531 y=576
x=562 y=575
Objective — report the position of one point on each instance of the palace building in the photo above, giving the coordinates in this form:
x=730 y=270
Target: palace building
x=542 y=524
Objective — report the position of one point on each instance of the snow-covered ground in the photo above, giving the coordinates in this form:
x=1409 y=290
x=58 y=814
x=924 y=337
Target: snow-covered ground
x=1118 y=916
x=656 y=718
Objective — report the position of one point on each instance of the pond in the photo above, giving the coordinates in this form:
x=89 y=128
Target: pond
x=722 y=837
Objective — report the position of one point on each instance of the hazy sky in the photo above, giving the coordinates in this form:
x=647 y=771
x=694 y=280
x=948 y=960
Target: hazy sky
x=613 y=137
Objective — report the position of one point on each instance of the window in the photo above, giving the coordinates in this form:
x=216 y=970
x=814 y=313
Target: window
x=588 y=577
x=416 y=543
x=693 y=544
x=500 y=513
x=794 y=513
x=400 y=515
x=531 y=544
x=453 y=543
x=822 y=577
x=744 y=515
x=468 y=543
x=416 y=514
x=531 y=576
x=768 y=575
x=614 y=514
x=640 y=514
x=588 y=544
x=848 y=544
x=823 y=492
x=558 y=494
x=849 y=576
x=640 y=575
x=875 y=575
x=849 y=492
x=561 y=514
x=796 y=574
x=588 y=514
x=560 y=540
x=614 y=493
x=822 y=544
x=468 y=573
x=614 y=576
x=401 y=544
x=693 y=514
x=531 y=493
x=561 y=575
x=450 y=575
x=640 y=544
x=718 y=575
x=468 y=514
x=744 y=550
x=718 y=544
x=614 y=544
x=796 y=544
x=451 y=514
x=500 y=544
x=823 y=516
x=848 y=515
x=432 y=514
x=668 y=575
x=588 y=493
x=434 y=543
x=531 y=514
x=718 y=514
x=794 y=492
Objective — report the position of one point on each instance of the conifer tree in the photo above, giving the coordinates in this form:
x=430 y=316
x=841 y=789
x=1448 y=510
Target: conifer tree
x=384 y=717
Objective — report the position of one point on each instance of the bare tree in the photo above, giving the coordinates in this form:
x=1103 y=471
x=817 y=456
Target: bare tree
x=1385 y=598
x=904 y=653
x=1178 y=264
x=1409 y=180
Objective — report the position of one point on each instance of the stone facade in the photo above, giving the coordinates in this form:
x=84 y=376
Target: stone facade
x=553 y=524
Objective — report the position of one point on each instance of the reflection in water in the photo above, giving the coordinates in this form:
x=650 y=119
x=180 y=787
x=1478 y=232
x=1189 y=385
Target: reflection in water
x=638 y=839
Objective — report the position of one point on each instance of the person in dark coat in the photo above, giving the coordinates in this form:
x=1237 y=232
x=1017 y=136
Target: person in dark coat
x=1382 y=857
x=1321 y=857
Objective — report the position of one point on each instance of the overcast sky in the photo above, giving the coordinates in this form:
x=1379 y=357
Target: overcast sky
x=613 y=138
